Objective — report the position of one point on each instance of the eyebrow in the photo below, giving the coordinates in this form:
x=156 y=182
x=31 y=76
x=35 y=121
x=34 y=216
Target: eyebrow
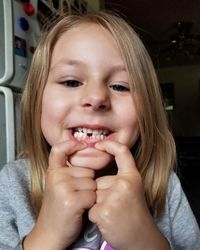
x=71 y=62
x=67 y=62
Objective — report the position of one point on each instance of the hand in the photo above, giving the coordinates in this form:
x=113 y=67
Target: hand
x=69 y=191
x=121 y=212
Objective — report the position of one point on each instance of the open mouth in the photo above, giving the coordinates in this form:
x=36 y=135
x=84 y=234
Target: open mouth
x=92 y=135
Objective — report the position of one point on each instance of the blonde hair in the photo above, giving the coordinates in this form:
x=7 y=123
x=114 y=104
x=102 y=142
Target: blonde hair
x=155 y=151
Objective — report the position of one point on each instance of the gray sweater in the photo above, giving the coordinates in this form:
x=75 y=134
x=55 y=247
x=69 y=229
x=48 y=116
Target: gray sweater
x=17 y=219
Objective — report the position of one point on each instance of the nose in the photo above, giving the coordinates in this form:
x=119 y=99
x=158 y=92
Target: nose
x=95 y=97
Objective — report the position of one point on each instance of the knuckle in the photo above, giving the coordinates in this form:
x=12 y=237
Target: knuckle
x=106 y=214
x=69 y=202
x=92 y=185
x=92 y=198
x=56 y=184
x=130 y=184
x=59 y=190
x=123 y=149
x=123 y=184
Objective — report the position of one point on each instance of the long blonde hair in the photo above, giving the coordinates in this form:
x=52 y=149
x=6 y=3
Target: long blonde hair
x=155 y=152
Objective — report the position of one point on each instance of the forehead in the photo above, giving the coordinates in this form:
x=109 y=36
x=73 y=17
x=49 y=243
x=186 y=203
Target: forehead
x=86 y=41
x=82 y=32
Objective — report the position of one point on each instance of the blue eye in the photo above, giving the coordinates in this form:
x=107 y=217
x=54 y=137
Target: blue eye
x=72 y=83
x=120 y=88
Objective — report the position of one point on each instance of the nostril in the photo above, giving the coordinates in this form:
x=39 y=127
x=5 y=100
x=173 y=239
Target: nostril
x=103 y=106
x=100 y=107
x=97 y=105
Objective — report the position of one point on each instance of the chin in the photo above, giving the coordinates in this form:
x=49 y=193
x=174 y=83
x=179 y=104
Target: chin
x=91 y=158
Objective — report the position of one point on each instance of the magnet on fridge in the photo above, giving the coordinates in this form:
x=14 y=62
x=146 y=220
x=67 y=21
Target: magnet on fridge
x=23 y=23
x=20 y=46
x=29 y=8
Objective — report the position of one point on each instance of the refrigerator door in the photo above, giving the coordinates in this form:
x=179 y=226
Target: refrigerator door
x=7 y=136
x=6 y=42
x=19 y=36
x=26 y=35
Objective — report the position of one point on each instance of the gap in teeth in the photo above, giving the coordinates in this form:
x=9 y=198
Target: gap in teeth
x=96 y=134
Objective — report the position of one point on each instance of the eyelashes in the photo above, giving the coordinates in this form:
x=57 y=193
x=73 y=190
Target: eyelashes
x=119 y=87
x=72 y=83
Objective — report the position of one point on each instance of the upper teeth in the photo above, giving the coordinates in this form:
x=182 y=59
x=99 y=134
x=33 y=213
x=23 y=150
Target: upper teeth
x=98 y=134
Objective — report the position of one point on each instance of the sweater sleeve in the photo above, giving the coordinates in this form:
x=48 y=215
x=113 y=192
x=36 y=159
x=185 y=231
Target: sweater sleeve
x=16 y=216
x=185 y=232
x=9 y=237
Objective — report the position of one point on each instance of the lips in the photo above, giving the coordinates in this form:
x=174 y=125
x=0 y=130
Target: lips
x=90 y=135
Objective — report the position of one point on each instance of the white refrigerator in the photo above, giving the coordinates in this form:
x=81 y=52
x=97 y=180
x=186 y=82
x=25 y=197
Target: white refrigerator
x=19 y=31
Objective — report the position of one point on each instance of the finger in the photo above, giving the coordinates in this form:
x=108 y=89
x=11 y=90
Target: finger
x=80 y=172
x=59 y=153
x=122 y=154
x=101 y=195
x=95 y=212
x=83 y=184
x=88 y=201
x=105 y=182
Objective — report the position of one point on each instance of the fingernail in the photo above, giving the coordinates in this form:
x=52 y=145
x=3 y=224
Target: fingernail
x=97 y=145
x=68 y=164
x=84 y=144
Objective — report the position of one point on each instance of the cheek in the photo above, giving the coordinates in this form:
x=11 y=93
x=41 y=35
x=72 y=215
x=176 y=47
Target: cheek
x=52 y=116
x=129 y=128
x=48 y=112
x=47 y=121
x=54 y=106
x=134 y=134
x=133 y=129
x=130 y=134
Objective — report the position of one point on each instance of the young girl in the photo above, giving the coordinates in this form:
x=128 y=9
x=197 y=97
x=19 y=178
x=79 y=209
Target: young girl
x=96 y=170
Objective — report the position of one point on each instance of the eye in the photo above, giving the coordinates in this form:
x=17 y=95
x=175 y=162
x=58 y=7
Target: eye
x=119 y=87
x=72 y=83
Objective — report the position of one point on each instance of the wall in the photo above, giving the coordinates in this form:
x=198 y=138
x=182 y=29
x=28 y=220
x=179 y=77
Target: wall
x=95 y=4
x=185 y=118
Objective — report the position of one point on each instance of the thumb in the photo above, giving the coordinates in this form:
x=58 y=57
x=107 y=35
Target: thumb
x=123 y=156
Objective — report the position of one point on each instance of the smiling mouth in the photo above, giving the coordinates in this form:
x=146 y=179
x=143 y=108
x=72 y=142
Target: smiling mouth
x=92 y=135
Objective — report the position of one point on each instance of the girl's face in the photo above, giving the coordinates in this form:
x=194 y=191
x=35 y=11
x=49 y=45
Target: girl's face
x=87 y=96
